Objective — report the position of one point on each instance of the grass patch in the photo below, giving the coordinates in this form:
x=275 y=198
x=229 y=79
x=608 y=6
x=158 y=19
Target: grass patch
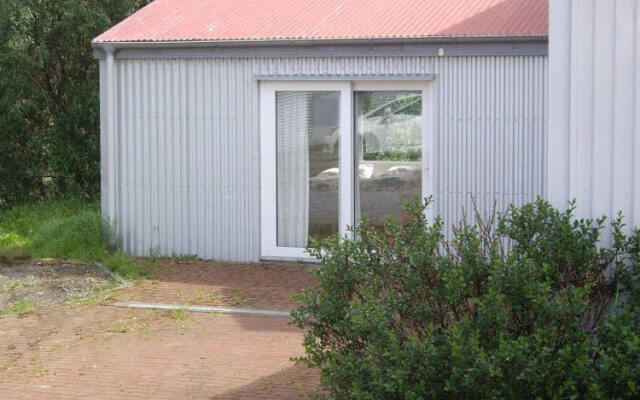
x=182 y=319
x=202 y=296
x=97 y=295
x=21 y=308
x=238 y=298
x=18 y=284
x=180 y=315
x=128 y=266
x=77 y=237
x=139 y=324
x=70 y=229
x=183 y=257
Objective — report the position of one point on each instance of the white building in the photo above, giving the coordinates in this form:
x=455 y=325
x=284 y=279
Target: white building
x=236 y=130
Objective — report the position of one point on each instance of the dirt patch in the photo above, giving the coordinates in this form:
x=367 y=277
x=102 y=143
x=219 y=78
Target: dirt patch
x=40 y=282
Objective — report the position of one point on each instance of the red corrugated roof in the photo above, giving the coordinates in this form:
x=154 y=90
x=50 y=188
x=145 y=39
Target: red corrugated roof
x=242 y=20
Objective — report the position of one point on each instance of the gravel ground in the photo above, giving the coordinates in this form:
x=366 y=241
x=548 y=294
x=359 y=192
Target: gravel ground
x=48 y=281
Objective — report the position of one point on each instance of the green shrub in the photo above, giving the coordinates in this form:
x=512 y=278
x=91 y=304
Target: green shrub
x=401 y=313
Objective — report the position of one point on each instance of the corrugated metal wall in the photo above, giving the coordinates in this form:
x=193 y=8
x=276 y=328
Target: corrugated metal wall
x=187 y=170
x=594 y=145
x=491 y=134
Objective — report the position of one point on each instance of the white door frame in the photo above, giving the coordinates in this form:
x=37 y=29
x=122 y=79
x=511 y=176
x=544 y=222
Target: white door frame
x=268 y=151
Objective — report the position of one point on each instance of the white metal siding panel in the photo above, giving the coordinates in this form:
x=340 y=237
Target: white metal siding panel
x=104 y=145
x=492 y=133
x=187 y=145
x=595 y=95
x=558 y=149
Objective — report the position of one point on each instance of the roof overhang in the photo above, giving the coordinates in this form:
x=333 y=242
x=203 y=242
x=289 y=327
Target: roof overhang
x=425 y=46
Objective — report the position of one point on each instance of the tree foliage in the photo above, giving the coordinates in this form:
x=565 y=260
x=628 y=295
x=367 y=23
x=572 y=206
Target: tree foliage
x=400 y=313
x=49 y=114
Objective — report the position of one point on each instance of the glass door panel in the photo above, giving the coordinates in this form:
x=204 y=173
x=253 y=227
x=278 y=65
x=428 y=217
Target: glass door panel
x=307 y=166
x=333 y=151
x=388 y=153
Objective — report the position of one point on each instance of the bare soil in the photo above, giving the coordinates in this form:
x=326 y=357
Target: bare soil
x=48 y=281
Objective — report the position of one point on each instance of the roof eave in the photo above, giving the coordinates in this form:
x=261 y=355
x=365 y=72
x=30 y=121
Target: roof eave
x=113 y=45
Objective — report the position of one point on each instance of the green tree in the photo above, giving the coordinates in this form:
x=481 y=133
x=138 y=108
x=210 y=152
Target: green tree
x=49 y=114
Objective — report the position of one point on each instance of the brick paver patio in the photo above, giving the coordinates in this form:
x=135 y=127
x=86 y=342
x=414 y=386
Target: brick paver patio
x=266 y=286
x=91 y=351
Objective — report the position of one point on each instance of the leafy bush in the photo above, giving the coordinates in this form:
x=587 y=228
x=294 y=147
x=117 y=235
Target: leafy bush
x=400 y=313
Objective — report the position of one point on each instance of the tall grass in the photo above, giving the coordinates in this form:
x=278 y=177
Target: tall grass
x=79 y=236
x=69 y=229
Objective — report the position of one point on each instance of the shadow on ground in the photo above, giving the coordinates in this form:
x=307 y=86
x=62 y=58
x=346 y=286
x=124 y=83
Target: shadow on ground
x=292 y=383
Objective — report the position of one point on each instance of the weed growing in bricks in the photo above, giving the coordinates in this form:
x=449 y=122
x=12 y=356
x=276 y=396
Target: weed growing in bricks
x=180 y=315
x=400 y=313
x=203 y=296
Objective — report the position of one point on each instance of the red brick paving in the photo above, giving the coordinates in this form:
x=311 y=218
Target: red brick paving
x=101 y=352
x=266 y=285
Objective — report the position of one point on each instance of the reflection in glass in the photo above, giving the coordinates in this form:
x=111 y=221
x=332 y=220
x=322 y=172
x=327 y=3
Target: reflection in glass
x=388 y=153
x=307 y=140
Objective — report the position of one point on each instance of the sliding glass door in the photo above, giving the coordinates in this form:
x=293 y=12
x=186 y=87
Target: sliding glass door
x=308 y=165
x=388 y=126
x=333 y=152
